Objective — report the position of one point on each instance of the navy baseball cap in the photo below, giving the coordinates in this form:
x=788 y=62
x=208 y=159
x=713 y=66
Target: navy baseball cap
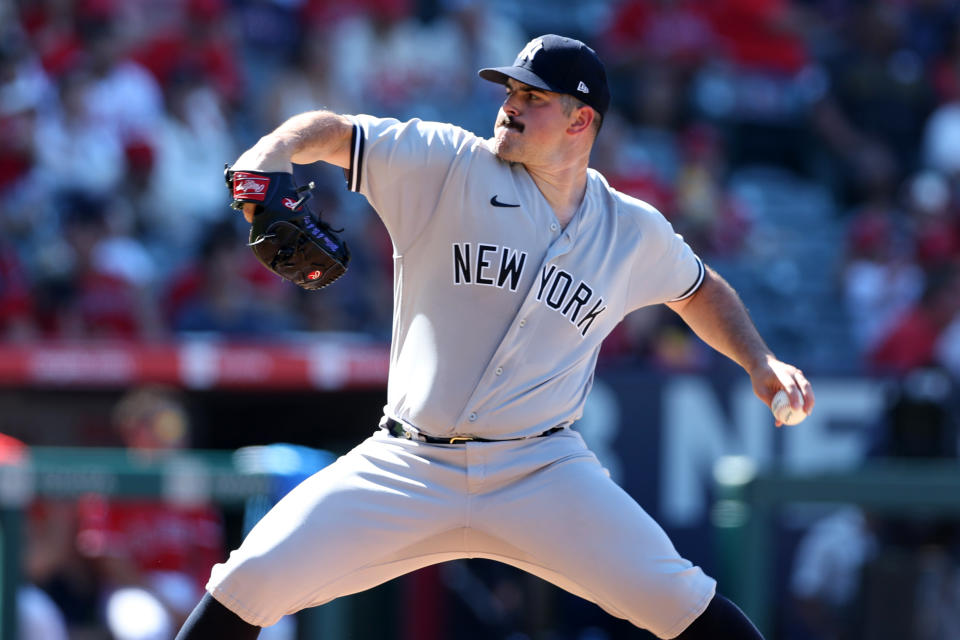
x=558 y=64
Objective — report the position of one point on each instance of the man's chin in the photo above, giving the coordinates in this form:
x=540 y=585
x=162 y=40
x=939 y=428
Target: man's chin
x=507 y=155
x=504 y=149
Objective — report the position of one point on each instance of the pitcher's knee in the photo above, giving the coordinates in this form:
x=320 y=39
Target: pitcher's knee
x=664 y=603
x=253 y=587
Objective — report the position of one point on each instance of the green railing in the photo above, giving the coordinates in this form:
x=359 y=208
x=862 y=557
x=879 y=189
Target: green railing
x=747 y=502
x=188 y=478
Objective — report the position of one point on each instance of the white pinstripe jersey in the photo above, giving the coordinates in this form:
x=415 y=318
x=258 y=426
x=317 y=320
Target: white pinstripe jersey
x=498 y=312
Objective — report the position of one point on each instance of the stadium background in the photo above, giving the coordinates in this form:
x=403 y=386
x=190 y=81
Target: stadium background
x=808 y=150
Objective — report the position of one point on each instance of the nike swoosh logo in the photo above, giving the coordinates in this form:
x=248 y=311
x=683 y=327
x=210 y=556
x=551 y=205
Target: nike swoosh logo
x=497 y=203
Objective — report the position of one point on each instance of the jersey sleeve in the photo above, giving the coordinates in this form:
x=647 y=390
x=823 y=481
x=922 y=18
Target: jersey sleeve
x=402 y=167
x=665 y=268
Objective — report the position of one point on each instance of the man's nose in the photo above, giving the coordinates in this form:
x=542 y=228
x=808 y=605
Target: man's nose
x=510 y=106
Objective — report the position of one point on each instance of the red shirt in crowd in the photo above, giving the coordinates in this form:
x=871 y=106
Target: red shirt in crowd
x=155 y=536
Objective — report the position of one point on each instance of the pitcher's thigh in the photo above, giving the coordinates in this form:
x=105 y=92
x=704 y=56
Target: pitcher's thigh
x=350 y=526
x=575 y=527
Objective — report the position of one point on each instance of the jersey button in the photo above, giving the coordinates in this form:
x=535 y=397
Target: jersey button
x=553 y=227
x=473 y=417
x=523 y=322
x=499 y=370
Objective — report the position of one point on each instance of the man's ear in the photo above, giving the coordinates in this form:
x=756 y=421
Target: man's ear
x=582 y=120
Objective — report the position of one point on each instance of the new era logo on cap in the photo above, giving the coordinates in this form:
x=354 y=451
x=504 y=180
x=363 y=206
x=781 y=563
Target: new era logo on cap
x=558 y=64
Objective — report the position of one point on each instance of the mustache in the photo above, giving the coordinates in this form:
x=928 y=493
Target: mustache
x=510 y=123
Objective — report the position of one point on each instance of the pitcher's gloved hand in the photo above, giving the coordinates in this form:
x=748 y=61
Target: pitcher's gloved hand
x=284 y=235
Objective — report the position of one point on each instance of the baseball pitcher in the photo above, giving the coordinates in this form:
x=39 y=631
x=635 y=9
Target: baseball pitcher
x=512 y=262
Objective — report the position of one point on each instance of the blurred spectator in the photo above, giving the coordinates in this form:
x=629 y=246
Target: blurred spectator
x=487 y=34
x=880 y=277
x=667 y=31
x=655 y=337
x=52 y=26
x=97 y=285
x=122 y=94
x=22 y=89
x=266 y=34
x=934 y=219
x=941 y=139
x=757 y=83
x=16 y=157
x=929 y=27
x=152 y=557
x=760 y=34
x=16 y=297
x=24 y=84
x=704 y=212
x=918 y=553
x=390 y=62
x=198 y=40
x=192 y=143
x=827 y=573
x=652 y=49
x=226 y=291
x=849 y=563
x=38 y=617
x=920 y=420
x=78 y=150
x=945 y=58
x=912 y=341
x=305 y=84
x=947 y=349
x=878 y=98
x=680 y=172
x=643 y=159
x=53 y=563
x=477 y=36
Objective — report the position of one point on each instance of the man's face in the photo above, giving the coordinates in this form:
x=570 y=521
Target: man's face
x=530 y=124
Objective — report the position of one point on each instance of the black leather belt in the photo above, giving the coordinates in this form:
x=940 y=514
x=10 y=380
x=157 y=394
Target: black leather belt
x=400 y=430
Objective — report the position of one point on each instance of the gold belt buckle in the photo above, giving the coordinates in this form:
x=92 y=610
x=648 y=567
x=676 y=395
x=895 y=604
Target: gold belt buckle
x=456 y=439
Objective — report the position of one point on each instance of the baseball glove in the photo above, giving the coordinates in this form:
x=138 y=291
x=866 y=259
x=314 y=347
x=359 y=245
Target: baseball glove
x=284 y=235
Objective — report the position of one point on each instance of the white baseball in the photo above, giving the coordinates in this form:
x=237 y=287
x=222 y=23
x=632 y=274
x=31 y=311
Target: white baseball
x=782 y=411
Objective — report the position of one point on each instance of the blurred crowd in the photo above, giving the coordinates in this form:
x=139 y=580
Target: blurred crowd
x=117 y=117
x=96 y=568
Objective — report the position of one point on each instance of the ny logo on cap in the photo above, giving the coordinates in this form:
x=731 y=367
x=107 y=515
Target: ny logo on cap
x=530 y=50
